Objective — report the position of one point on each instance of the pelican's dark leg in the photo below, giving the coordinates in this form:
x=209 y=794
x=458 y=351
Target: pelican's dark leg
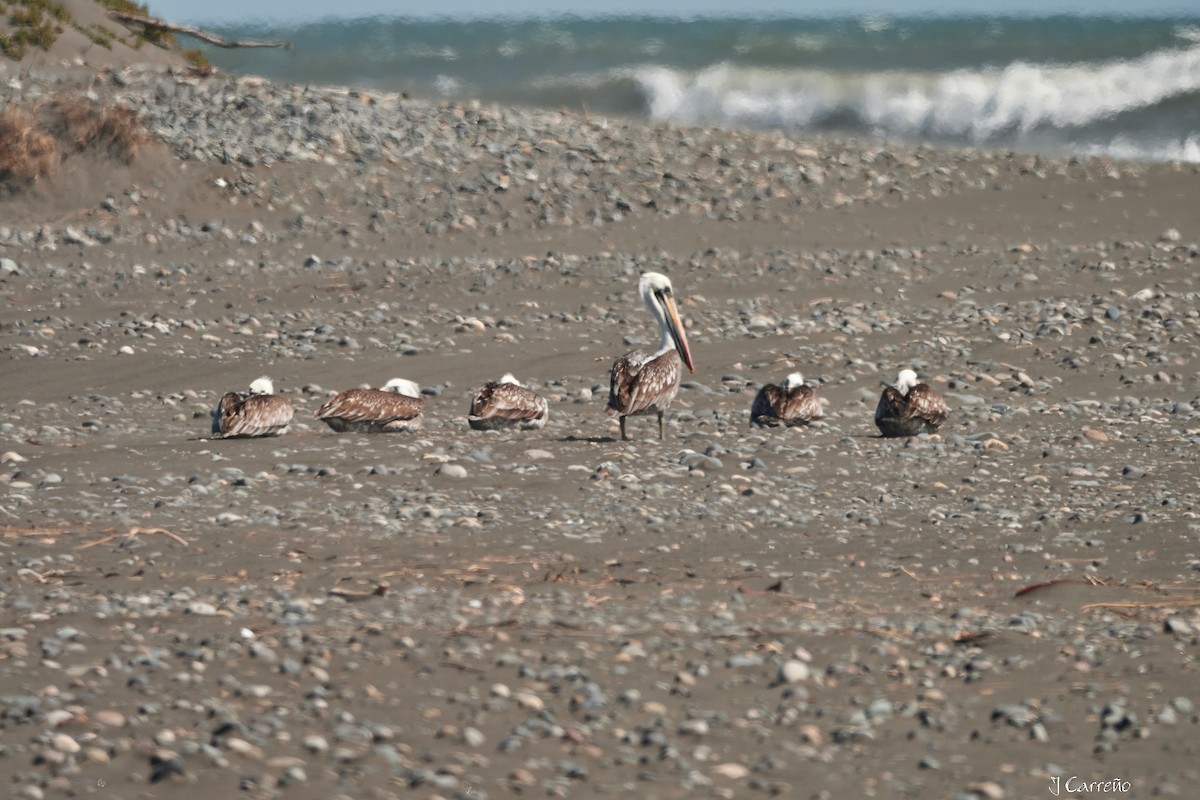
x=662 y=430
x=624 y=438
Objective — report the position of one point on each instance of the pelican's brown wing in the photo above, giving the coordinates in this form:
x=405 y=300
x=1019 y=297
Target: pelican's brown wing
x=223 y=414
x=774 y=406
x=639 y=383
x=621 y=382
x=765 y=410
x=925 y=403
x=356 y=409
x=800 y=406
x=889 y=408
x=922 y=410
x=503 y=404
x=253 y=415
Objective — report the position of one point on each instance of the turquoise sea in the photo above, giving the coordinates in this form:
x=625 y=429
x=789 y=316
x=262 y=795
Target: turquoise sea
x=1120 y=85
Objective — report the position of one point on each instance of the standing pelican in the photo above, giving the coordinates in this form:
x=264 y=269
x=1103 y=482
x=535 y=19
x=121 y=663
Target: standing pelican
x=258 y=412
x=642 y=382
x=790 y=403
x=507 y=404
x=909 y=408
x=396 y=408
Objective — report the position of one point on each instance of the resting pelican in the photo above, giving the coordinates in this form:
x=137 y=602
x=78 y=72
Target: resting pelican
x=642 y=382
x=790 y=403
x=909 y=408
x=258 y=412
x=396 y=408
x=507 y=404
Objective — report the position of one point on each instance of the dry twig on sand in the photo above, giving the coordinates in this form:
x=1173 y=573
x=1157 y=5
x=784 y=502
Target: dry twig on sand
x=133 y=532
x=50 y=576
x=15 y=531
x=1142 y=605
x=1036 y=587
x=353 y=595
x=202 y=35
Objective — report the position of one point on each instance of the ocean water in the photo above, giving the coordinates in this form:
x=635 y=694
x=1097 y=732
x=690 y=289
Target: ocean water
x=1124 y=86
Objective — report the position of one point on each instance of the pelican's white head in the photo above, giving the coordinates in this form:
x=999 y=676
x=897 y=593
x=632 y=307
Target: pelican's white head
x=906 y=380
x=262 y=386
x=657 y=294
x=510 y=378
x=652 y=282
x=405 y=387
x=792 y=381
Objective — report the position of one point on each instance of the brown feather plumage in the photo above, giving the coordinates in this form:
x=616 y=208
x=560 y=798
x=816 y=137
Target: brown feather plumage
x=775 y=406
x=372 y=411
x=921 y=410
x=507 y=405
x=643 y=385
x=241 y=414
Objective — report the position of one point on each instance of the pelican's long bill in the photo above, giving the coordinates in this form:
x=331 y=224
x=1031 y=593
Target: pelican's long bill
x=675 y=326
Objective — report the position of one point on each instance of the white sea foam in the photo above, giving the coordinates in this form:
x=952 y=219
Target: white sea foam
x=976 y=105
x=447 y=85
x=1185 y=150
x=810 y=42
x=1189 y=33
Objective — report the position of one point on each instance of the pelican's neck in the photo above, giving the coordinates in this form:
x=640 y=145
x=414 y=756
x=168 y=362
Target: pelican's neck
x=666 y=342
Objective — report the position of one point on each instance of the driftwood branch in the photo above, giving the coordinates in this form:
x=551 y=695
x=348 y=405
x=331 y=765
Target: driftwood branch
x=204 y=36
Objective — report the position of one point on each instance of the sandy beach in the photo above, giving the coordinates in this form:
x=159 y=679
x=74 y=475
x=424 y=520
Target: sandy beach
x=731 y=613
